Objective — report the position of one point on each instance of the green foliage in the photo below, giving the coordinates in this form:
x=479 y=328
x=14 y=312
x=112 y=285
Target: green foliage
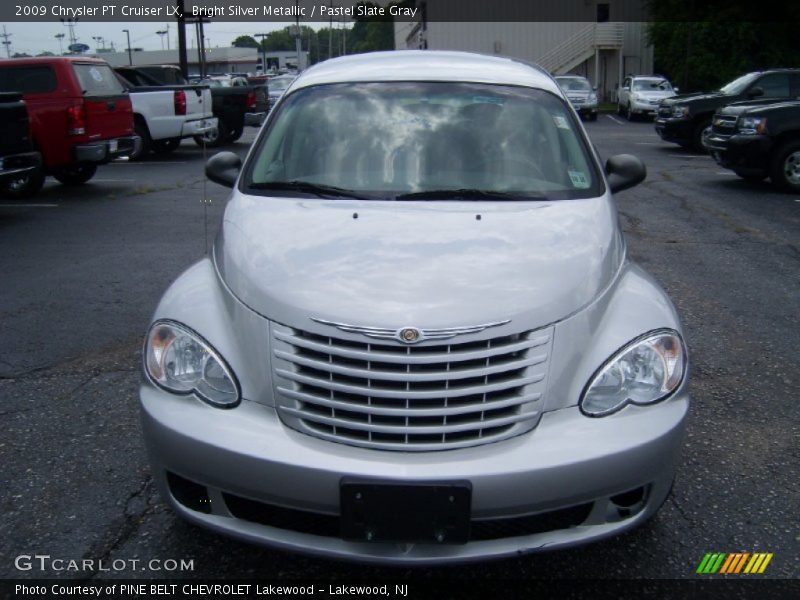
x=245 y=41
x=703 y=44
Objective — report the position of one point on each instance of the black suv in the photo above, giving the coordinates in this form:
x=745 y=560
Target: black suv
x=682 y=119
x=18 y=161
x=758 y=139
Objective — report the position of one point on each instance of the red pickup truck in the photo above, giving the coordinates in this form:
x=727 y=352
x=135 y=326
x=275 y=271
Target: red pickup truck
x=80 y=117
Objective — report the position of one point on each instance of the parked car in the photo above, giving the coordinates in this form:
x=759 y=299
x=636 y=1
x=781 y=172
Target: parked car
x=277 y=86
x=581 y=94
x=419 y=338
x=19 y=162
x=640 y=95
x=683 y=119
x=166 y=114
x=80 y=115
x=237 y=104
x=758 y=140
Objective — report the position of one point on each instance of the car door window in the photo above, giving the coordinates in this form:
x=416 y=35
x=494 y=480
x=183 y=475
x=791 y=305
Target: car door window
x=775 y=85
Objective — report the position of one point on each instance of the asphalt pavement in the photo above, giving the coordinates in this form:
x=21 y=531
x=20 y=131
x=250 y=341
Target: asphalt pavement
x=81 y=270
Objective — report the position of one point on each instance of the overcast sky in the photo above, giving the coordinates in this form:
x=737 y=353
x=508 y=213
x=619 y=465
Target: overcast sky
x=33 y=38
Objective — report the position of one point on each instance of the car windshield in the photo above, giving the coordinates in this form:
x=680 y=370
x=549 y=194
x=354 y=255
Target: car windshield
x=737 y=86
x=423 y=140
x=574 y=85
x=278 y=84
x=651 y=85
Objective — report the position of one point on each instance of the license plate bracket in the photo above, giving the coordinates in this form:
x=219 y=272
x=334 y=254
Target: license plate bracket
x=424 y=512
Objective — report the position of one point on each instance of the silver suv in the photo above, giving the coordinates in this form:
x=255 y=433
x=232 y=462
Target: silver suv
x=418 y=338
x=581 y=94
x=640 y=95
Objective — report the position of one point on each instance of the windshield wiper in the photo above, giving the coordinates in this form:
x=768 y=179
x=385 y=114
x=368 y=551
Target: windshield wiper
x=323 y=191
x=467 y=194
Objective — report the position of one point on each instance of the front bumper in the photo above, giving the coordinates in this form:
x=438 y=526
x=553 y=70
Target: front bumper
x=747 y=152
x=199 y=127
x=246 y=454
x=16 y=165
x=644 y=108
x=678 y=131
x=105 y=150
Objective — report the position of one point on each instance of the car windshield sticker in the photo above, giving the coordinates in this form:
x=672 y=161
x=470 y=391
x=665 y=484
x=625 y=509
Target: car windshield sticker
x=560 y=122
x=96 y=75
x=578 y=179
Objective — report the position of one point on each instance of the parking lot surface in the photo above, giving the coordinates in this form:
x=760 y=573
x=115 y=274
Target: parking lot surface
x=81 y=270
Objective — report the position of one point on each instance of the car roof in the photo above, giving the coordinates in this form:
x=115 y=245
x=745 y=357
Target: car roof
x=41 y=60
x=427 y=65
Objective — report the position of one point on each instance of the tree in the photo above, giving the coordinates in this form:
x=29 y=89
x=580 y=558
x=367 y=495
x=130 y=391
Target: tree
x=245 y=41
x=703 y=45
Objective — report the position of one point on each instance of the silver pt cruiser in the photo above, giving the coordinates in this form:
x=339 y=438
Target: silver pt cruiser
x=418 y=338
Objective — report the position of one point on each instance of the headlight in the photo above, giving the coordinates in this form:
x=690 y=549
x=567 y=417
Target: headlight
x=635 y=97
x=592 y=99
x=752 y=125
x=180 y=361
x=678 y=111
x=645 y=371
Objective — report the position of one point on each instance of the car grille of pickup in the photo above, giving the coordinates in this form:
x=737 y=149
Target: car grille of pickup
x=425 y=397
x=723 y=124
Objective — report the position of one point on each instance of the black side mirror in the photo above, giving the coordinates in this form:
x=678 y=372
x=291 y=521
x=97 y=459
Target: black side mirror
x=755 y=92
x=624 y=171
x=223 y=168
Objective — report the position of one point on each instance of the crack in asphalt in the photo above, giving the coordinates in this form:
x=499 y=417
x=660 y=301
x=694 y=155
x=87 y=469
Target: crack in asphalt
x=130 y=522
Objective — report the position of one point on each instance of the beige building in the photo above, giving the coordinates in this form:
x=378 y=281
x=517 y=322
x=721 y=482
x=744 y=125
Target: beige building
x=604 y=52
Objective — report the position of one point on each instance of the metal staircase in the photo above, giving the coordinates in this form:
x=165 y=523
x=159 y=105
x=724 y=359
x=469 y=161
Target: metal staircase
x=582 y=46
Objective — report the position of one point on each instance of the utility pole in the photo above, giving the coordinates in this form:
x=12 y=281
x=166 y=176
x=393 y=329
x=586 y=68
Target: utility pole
x=263 y=51
x=130 y=54
x=167 y=36
x=6 y=41
x=298 y=43
x=182 y=61
x=59 y=37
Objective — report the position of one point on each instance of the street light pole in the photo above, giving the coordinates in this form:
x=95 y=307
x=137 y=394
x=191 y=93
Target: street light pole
x=161 y=35
x=59 y=37
x=263 y=52
x=130 y=54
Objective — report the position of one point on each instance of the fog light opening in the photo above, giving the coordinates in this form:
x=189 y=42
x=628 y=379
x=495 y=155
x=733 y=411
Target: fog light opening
x=627 y=504
x=188 y=493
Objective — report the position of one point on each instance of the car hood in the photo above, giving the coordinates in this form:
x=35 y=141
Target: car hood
x=654 y=95
x=425 y=264
x=758 y=106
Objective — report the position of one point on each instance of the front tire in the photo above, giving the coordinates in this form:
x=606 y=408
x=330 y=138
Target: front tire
x=629 y=113
x=76 y=174
x=24 y=186
x=785 y=167
x=697 y=136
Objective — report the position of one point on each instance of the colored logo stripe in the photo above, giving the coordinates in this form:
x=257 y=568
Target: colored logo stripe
x=734 y=562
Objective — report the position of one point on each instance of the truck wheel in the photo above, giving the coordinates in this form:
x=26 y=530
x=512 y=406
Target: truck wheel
x=785 y=168
x=76 y=174
x=697 y=136
x=24 y=186
x=629 y=113
x=141 y=130
x=751 y=175
x=235 y=134
x=166 y=146
x=214 y=139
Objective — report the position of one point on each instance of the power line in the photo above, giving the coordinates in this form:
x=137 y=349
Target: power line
x=6 y=41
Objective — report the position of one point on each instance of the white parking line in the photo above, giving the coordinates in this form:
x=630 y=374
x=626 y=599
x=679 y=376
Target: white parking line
x=725 y=173
x=690 y=156
x=96 y=180
x=617 y=121
x=647 y=143
x=4 y=205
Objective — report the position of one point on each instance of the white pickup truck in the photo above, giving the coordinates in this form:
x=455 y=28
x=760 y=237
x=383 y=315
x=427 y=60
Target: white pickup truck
x=164 y=115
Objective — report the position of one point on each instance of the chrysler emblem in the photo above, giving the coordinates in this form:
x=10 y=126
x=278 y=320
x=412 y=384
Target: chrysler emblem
x=409 y=335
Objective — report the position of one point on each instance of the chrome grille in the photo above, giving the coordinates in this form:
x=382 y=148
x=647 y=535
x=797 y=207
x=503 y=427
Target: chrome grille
x=394 y=396
x=665 y=111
